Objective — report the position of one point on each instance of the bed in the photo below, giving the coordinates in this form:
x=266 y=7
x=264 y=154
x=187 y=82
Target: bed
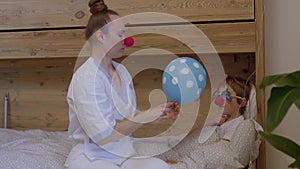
x=33 y=149
x=39 y=149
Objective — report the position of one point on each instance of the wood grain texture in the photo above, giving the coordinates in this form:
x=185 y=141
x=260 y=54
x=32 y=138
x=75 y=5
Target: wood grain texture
x=226 y=38
x=38 y=87
x=31 y=14
x=41 y=44
x=260 y=68
x=37 y=92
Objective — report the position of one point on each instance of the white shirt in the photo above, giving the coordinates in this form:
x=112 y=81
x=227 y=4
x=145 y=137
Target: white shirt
x=229 y=127
x=95 y=105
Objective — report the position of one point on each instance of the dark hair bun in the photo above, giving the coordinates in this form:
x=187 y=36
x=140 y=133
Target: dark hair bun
x=97 y=6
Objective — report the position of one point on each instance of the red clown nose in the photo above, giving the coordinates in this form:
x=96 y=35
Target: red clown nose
x=219 y=101
x=128 y=41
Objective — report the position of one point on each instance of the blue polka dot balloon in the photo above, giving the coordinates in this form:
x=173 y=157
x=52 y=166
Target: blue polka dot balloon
x=184 y=80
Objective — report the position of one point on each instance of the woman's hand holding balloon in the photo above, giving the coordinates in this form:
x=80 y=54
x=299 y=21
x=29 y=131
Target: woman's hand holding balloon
x=158 y=114
x=170 y=112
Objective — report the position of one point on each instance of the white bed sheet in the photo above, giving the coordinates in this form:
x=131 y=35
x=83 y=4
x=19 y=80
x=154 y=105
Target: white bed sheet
x=33 y=149
x=39 y=149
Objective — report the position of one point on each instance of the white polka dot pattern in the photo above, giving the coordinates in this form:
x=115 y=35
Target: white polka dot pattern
x=184 y=71
x=175 y=81
x=196 y=65
x=172 y=68
x=182 y=60
x=164 y=80
x=200 y=77
x=189 y=84
x=182 y=79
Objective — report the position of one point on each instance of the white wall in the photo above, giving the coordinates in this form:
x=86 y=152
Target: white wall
x=282 y=37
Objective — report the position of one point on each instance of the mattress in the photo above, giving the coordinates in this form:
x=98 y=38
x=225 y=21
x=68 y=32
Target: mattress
x=33 y=149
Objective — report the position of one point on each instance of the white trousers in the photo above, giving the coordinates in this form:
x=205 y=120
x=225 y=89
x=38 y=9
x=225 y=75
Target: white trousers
x=81 y=162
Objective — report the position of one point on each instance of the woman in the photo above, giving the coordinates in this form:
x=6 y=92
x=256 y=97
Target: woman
x=102 y=103
x=233 y=143
x=236 y=95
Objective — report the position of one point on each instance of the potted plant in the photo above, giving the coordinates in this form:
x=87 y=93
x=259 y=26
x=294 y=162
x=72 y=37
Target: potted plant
x=284 y=94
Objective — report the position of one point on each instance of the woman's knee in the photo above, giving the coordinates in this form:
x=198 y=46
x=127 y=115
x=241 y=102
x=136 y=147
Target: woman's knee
x=102 y=165
x=81 y=162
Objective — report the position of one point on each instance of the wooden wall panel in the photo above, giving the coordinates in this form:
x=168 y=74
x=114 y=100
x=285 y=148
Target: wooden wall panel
x=190 y=10
x=28 y=14
x=37 y=90
x=41 y=44
x=260 y=68
x=226 y=38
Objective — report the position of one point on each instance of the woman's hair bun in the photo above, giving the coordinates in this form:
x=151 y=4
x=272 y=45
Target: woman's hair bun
x=97 y=6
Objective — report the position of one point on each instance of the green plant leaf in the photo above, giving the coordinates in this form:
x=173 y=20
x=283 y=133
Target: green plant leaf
x=297 y=103
x=268 y=80
x=283 y=144
x=280 y=101
x=288 y=79
x=295 y=164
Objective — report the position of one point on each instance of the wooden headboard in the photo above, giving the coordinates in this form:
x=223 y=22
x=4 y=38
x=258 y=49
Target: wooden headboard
x=40 y=41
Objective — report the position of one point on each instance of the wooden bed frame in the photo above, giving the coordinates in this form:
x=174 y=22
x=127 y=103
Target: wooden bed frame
x=40 y=42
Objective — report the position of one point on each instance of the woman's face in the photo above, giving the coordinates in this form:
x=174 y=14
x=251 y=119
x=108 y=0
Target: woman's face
x=231 y=109
x=113 y=38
